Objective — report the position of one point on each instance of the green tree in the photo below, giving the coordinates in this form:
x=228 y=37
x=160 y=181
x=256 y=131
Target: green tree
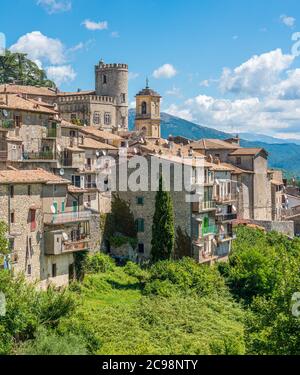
x=183 y=244
x=163 y=226
x=3 y=241
x=17 y=68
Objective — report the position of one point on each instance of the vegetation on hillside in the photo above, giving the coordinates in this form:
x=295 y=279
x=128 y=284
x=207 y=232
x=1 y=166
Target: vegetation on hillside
x=170 y=307
x=17 y=68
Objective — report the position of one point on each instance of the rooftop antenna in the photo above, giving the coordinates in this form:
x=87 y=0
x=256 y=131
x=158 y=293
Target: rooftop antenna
x=147 y=83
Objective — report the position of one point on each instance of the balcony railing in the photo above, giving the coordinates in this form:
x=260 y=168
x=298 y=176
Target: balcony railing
x=66 y=217
x=90 y=185
x=226 y=217
x=225 y=198
x=204 y=206
x=210 y=229
x=41 y=155
x=72 y=246
x=51 y=133
x=224 y=237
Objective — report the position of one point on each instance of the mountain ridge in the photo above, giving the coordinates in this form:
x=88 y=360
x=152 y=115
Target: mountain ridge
x=284 y=156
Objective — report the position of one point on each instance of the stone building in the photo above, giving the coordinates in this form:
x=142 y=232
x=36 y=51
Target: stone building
x=47 y=225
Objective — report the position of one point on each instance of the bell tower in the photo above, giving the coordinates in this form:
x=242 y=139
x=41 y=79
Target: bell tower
x=147 y=118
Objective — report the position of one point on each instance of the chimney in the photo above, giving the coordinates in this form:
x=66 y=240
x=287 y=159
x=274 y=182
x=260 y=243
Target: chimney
x=191 y=151
x=179 y=153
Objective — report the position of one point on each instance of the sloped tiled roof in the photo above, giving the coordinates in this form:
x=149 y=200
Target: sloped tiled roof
x=247 y=151
x=14 y=101
x=207 y=144
x=30 y=176
x=31 y=90
x=100 y=133
x=93 y=144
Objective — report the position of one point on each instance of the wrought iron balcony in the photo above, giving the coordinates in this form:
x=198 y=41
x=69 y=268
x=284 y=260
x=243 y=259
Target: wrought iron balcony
x=41 y=155
x=66 y=217
x=226 y=217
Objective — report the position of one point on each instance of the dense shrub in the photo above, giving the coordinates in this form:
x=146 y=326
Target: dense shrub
x=98 y=262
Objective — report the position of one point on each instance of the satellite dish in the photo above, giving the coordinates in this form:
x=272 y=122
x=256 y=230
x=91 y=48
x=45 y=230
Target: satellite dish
x=61 y=172
x=238 y=189
x=65 y=236
x=135 y=150
x=97 y=154
x=53 y=209
x=104 y=153
x=58 y=148
x=5 y=113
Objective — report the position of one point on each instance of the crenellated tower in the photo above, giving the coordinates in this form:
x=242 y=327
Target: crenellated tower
x=112 y=80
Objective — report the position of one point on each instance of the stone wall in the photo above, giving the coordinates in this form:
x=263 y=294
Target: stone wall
x=284 y=227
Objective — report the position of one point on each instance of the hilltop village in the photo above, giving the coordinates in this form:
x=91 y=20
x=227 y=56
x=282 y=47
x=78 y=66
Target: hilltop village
x=50 y=142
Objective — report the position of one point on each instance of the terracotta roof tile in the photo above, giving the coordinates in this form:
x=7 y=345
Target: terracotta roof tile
x=30 y=176
x=13 y=101
x=31 y=90
x=93 y=144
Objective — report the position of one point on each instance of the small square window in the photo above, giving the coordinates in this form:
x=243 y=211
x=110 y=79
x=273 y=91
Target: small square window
x=29 y=190
x=141 y=248
x=140 y=201
x=238 y=160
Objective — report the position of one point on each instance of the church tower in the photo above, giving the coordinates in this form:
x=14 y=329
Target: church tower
x=147 y=118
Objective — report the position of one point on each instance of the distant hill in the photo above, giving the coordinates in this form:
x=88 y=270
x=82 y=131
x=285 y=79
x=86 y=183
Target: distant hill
x=267 y=138
x=284 y=155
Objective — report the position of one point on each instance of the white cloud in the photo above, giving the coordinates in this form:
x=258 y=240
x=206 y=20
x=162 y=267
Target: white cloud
x=256 y=75
x=40 y=48
x=115 y=34
x=92 y=25
x=61 y=74
x=132 y=75
x=132 y=104
x=174 y=91
x=204 y=83
x=287 y=20
x=165 y=71
x=77 y=47
x=55 y=6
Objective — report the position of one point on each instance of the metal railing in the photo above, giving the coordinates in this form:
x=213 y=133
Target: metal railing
x=66 y=217
x=90 y=185
x=80 y=245
x=204 y=206
x=41 y=155
x=226 y=217
x=210 y=229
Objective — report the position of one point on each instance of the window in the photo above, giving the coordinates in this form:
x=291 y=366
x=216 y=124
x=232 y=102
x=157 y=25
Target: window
x=72 y=133
x=96 y=118
x=144 y=108
x=123 y=98
x=54 y=270
x=62 y=207
x=104 y=79
x=29 y=269
x=32 y=214
x=107 y=118
x=141 y=248
x=12 y=217
x=76 y=181
x=11 y=191
x=29 y=190
x=238 y=160
x=140 y=201
x=18 y=121
x=140 y=225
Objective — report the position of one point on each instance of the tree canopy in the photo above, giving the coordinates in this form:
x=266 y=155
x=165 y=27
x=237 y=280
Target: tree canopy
x=18 y=69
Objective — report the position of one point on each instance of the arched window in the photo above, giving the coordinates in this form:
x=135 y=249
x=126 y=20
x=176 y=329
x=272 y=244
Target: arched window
x=144 y=108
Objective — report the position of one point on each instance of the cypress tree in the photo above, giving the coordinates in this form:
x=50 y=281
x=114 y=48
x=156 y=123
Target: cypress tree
x=163 y=226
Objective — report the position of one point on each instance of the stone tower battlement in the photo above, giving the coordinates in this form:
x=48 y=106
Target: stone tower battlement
x=112 y=80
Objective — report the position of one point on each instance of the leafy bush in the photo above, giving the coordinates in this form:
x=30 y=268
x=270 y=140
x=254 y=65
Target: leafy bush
x=48 y=342
x=99 y=262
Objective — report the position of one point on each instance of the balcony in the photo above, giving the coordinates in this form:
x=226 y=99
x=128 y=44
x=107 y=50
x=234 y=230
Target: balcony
x=41 y=155
x=225 y=237
x=204 y=206
x=51 y=133
x=90 y=185
x=66 y=217
x=210 y=229
x=226 y=217
x=73 y=246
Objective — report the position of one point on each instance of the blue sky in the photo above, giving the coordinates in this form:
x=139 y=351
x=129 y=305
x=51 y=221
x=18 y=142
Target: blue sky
x=227 y=64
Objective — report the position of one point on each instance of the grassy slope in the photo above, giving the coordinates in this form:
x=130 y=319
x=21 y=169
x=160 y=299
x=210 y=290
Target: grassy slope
x=126 y=322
